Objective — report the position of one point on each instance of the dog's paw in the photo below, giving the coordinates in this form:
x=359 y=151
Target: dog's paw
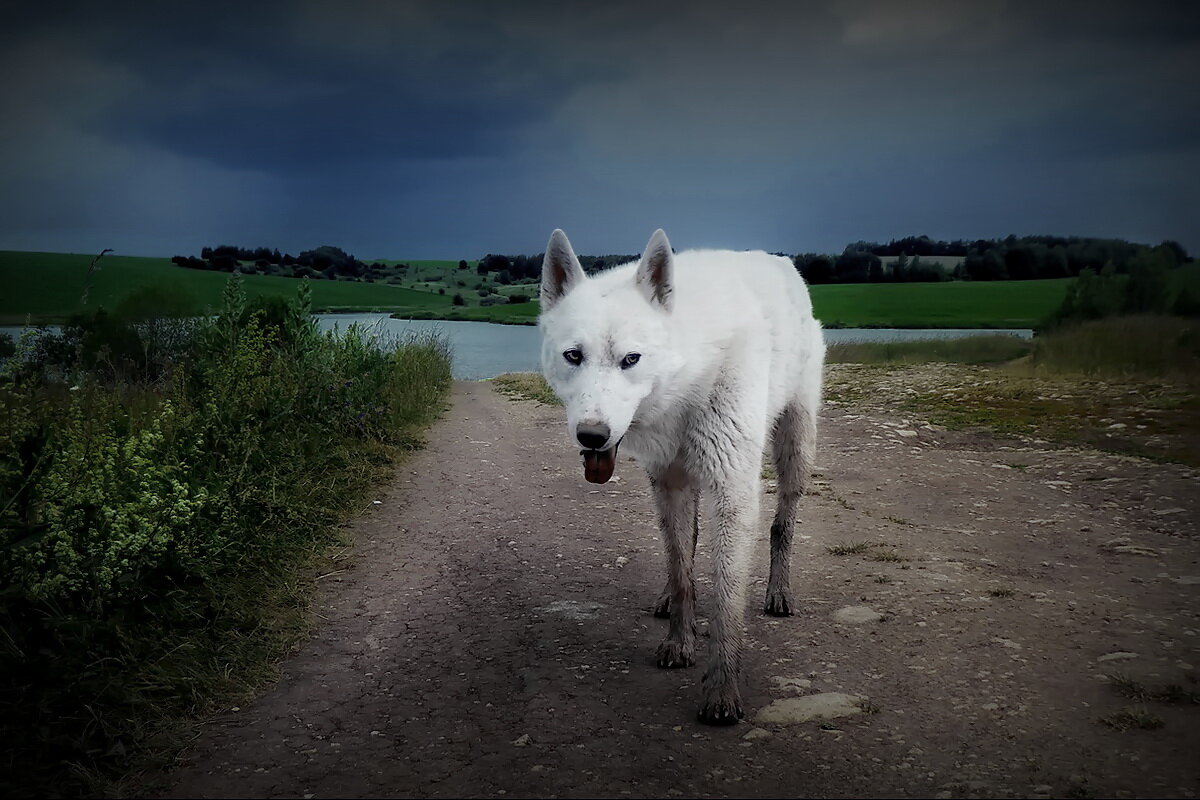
x=779 y=604
x=662 y=606
x=722 y=707
x=673 y=654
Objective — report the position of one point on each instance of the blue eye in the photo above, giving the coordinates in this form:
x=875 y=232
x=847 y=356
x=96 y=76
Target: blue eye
x=630 y=359
x=574 y=356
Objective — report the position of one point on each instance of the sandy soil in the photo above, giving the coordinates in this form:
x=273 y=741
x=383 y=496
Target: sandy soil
x=493 y=635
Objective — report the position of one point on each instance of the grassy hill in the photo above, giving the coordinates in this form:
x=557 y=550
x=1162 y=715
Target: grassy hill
x=48 y=287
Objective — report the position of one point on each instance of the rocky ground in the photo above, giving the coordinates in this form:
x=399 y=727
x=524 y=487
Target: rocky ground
x=979 y=617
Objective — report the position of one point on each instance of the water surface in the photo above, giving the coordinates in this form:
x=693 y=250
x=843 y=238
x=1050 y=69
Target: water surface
x=484 y=350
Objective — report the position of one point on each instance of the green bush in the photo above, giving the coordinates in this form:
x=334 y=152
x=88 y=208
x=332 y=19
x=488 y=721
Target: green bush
x=162 y=485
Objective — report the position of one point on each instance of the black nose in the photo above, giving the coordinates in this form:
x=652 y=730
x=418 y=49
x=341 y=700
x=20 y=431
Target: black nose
x=592 y=437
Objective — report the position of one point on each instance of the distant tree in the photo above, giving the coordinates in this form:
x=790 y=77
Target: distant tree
x=462 y=264
x=1149 y=287
x=206 y=253
x=458 y=300
x=1177 y=251
x=518 y=298
x=814 y=268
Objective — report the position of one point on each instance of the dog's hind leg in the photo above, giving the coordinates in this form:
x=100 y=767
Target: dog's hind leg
x=662 y=606
x=793 y=447
x=676 y=500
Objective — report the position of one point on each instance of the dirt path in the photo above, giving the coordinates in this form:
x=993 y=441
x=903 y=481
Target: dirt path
x=493 y=636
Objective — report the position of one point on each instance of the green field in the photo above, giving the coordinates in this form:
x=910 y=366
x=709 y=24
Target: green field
x=48 y=287
x=959 y=304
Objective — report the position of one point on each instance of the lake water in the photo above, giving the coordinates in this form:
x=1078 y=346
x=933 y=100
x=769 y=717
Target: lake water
x=484 y=350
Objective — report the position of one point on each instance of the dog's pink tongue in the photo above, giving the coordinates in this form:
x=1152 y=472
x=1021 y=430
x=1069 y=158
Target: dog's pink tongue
x=598 y=465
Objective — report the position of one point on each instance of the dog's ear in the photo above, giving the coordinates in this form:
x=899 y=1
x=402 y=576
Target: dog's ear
x=655 y=272
x=560 y=270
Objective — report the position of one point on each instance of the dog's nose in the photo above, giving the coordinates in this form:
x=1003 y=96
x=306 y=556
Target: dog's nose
x=592 y=436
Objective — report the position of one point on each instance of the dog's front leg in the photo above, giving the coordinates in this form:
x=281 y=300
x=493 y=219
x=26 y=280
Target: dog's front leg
x=676 y=503
x=735 y=510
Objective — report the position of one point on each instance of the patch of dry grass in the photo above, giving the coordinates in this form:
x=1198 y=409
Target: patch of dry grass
x=526 y=386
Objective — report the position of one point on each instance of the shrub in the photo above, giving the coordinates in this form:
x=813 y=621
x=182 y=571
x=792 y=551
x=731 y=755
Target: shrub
x=158 y=511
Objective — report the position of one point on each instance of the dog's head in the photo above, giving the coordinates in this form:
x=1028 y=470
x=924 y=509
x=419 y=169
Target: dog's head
x=605 y=344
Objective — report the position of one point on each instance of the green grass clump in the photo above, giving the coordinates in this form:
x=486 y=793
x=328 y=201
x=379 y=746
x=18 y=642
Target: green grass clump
x=166 y=488
x=967 y=350
x=526 y=386
x=1171 y=693
x=848 y=549
x=1132 y=719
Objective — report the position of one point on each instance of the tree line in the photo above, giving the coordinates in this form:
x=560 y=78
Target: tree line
x=918 y=259
x=905 y=260
x=1010 y=258
x=321 y=262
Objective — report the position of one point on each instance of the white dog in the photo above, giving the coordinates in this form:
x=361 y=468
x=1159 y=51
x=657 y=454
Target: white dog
x=690 y=362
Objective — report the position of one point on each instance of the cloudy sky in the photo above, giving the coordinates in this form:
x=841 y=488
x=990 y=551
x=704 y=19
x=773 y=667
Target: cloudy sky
x=453 y=129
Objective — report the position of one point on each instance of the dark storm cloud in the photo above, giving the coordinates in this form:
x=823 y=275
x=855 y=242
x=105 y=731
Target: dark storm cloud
x=451 y=129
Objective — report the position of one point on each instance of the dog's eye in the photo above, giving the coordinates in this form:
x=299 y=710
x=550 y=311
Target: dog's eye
x=574 y=356
x=630 y=359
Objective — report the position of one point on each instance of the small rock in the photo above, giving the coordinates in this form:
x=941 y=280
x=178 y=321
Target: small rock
x=906 y=434
x=621 y=561
x=756 y=733
x=1135 y=550
x=856 y=615
x=1120 y=655
x=521 y=741
x=1165 y=511
x=1186 y=580
x=827 y=705
x=576 y=610
x=787 y=682
x=1009 y=643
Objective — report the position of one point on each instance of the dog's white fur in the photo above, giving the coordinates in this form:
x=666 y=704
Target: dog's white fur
x=729 y=357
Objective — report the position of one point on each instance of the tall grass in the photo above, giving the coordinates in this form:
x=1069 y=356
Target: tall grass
x=164 y=489
x=1145 y=345
x=967 y=350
